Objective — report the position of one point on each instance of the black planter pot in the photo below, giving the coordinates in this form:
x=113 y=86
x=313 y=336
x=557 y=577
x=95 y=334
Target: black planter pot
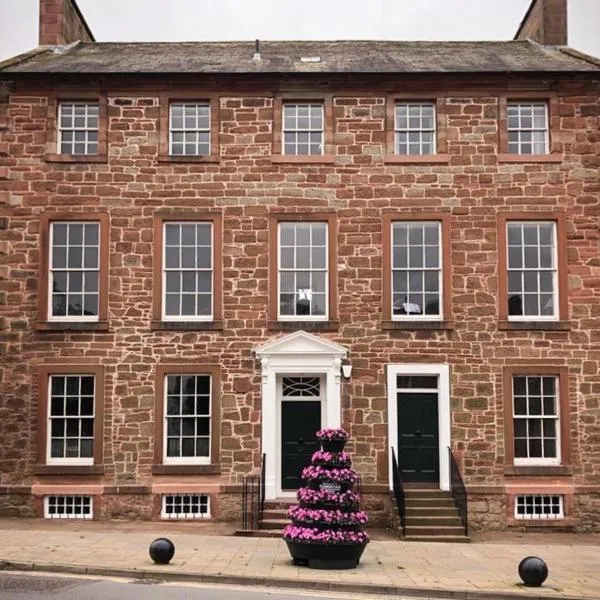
x=333 y=445
x=325 y=556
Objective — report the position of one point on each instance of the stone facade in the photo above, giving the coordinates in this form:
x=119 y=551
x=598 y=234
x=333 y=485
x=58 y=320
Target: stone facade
x=472 y=185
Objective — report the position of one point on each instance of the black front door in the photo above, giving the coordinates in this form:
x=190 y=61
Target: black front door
x=300 y=420
x=418 y=441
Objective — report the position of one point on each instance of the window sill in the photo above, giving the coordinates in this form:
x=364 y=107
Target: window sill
x=534 y=325
x=530 y=158
x=127 y=489
x=207 y=159
x=186 y=469
x=77 y=158
x=412 y=325
x=306 y=325
x=186 y=325
x=417 y=159
x=538 y=470
x=69 y=470
x=541 y=523
x=73 y=326
x=323 y=159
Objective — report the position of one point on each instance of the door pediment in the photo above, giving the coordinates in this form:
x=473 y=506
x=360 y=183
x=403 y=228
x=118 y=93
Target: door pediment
x=301 y=343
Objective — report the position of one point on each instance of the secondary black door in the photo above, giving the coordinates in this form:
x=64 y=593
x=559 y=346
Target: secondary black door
x=300 y=420
x=418 y=441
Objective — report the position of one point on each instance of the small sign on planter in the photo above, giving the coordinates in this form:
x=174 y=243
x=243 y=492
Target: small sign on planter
x=330 y=486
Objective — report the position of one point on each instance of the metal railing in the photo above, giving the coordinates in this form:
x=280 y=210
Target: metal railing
x=459 y=492
x=253 y=499
x=399 y=494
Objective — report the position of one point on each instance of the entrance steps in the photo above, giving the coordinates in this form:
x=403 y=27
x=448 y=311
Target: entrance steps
x=274 y=519
x=431 y=516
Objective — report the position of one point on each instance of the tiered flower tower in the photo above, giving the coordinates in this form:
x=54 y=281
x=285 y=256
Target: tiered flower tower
x=327 y=529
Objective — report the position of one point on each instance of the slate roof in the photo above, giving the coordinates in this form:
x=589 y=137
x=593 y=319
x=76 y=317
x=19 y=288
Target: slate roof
x=285 y=57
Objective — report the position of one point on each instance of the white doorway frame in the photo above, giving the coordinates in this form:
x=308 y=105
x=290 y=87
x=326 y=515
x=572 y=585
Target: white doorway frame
x=299 y=353
x=443 y=373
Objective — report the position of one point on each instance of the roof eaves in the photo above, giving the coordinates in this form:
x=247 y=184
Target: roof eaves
x=579 y=55
x=21 y=58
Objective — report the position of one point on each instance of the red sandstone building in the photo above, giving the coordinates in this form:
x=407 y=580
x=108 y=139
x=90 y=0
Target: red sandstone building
x=200 y=239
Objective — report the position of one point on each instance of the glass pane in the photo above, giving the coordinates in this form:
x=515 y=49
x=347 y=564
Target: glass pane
x=202 y=447
x=203 y=426
x=550 y=448
x=87 y=449
x=287 y=258
x=286 y=232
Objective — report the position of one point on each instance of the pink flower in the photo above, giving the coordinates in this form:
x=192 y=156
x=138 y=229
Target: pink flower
x=332 y=433
x=334 y=517
x=331 y=459
x=343 y=475
x=310 y=497
x=327 y=536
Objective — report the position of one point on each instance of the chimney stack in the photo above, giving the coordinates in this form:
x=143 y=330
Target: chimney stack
x=545 y=22
x=61 y=23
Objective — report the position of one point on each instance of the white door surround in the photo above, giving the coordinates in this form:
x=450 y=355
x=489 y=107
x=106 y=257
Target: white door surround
x=443 y=373
x=299 y=353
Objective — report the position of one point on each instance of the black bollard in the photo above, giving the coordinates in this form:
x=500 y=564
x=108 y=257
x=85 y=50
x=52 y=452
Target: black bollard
x=162 y=551
x=533 y=571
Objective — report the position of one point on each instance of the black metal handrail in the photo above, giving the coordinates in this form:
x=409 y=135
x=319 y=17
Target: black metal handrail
x=459 y=492
x=399 y=494
x=253 y=499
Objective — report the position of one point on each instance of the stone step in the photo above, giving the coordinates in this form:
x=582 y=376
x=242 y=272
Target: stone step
x=433 y=502
x=275 y=513
x=452 y=521
x=425 y=493
x=265 y=533
x=434 y=530
x=455 y=539
x=281 y=504
x=430 y=511
x=275 y=523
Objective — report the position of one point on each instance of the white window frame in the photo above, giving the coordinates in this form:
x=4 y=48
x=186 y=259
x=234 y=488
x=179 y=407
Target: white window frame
x=196 y=318
x=185 y=516
x=555 y=296
x=49 y=308
x=184 y=130
x=67 y=461
x=324 y=317
x=520 y=104
x=408 y=130
x=539 y=461
x=440 y=269
x=47 y=514
x=540 y=516
x=188 y=460
x=308 y=130
x=442 y=371
x=74 y=129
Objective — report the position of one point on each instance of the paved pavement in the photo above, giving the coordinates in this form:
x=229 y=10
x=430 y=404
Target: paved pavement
x=478 y=569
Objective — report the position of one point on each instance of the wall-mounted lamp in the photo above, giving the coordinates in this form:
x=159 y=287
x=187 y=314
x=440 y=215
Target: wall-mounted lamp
x=346 y=371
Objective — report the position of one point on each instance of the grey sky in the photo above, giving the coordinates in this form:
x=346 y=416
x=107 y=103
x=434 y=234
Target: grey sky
x=189 y=20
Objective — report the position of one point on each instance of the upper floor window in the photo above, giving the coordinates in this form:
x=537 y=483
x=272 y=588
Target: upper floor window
x=536 y=419
x=71 y=419
x=416 y=270
x=187 y=271
x=78 y=127
x=303 y=128
x=414 y=128
x=303 y=270
x=74 y=271
x=187 y=427
x=189 y=129
x=527 y=128
x=532 y=270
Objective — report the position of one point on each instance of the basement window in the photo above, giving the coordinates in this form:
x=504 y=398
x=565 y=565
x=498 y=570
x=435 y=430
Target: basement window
x=68 y=507
x=539 y=507
x=185 y=506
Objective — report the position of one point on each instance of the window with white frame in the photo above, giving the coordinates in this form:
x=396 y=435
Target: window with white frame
x=189 y=129
x=536 y=419
x=78 y=126
x=414 y=128
x=527 y=127
x=532 y=270
x=539 y=507
x=303 y=129
x=188 y=271
x=68 y=507
x=185 y=506
x=187 y=424
x=302 y=271
x=416 y=270
x=74 y=271
x=71 y=419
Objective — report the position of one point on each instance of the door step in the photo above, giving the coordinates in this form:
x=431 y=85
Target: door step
x=454 y=539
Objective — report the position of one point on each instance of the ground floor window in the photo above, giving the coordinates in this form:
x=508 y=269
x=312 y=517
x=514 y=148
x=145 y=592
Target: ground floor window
x=539 y=506
x=68 y=507
x=185 y=506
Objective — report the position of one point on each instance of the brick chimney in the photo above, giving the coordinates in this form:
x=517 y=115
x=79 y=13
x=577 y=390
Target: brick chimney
x=545 y=22
x=61 y=23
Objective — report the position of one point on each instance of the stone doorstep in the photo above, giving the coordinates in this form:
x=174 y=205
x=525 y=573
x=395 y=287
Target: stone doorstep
x=283 y=583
